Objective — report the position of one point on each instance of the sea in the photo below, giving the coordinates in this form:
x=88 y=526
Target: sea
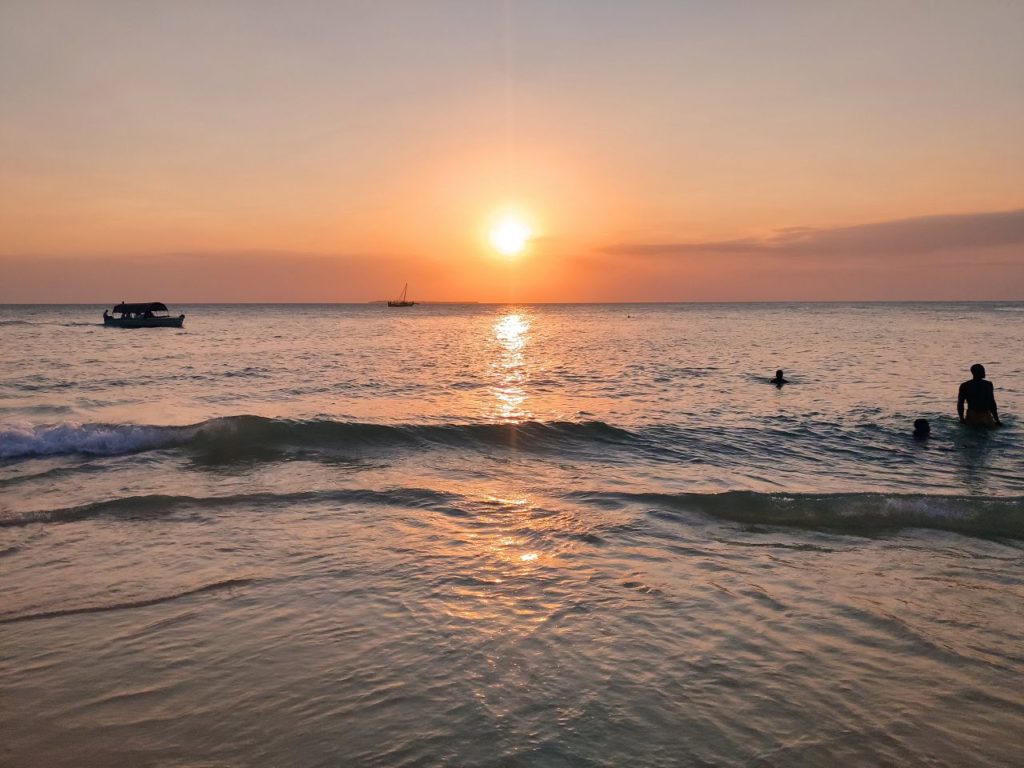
x=511 y=535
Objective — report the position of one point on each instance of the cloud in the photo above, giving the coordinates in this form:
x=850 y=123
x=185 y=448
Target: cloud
x=915 y=236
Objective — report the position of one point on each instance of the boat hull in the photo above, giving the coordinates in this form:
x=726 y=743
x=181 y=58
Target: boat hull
x=144 y=322
x=401 y=303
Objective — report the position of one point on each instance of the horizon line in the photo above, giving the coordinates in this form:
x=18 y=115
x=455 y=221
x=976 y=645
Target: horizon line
x=532 y=303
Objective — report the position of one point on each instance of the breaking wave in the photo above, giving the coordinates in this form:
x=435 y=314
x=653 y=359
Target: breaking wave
x=242 y=433
x=96 y=439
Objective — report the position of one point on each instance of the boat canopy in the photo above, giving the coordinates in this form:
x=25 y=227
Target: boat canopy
x=138 y=309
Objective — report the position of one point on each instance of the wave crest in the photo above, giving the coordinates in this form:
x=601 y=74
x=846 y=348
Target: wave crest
x=139 y=603
x=239 y=434
x=18 y=442
x=855 y=513
x=863 y=514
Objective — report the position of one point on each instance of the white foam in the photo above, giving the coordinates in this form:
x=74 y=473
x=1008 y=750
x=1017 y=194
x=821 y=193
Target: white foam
x=19 y=441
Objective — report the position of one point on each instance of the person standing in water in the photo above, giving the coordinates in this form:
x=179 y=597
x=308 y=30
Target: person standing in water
x=980 y=398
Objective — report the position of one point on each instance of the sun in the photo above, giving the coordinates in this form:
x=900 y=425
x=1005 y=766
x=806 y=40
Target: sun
x=510 y=235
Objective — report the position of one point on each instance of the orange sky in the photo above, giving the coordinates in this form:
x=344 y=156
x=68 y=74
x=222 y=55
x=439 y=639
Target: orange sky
x=331 y=152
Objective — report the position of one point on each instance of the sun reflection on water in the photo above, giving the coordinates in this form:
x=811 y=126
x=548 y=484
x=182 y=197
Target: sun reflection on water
x=510 y=564
x=512 y=334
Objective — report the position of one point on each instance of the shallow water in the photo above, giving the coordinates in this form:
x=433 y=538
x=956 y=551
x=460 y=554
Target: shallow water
x=510 y=535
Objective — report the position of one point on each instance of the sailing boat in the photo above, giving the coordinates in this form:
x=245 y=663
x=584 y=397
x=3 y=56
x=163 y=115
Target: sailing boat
x=402 y=301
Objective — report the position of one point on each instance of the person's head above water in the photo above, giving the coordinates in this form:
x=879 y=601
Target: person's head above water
x=978 y=371
x=778 y=374
x=922 y=428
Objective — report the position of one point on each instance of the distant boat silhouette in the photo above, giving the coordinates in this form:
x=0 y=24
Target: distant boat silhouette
x=142 y=316
x=401 y=301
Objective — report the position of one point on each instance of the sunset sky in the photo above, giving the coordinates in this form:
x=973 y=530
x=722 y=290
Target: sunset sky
x=662 y=151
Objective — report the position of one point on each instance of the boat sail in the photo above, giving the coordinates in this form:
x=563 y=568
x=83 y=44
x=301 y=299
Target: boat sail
x=402 y=301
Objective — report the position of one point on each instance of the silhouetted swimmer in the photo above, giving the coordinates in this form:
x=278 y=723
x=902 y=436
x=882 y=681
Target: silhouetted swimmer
x=922 y=429
x=779 y=380
x=980 y=398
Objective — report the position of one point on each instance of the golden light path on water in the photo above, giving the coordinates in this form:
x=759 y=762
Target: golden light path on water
x=511 y=332
x=504 y=552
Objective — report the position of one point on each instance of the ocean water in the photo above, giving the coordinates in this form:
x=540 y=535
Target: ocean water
x=510 y=536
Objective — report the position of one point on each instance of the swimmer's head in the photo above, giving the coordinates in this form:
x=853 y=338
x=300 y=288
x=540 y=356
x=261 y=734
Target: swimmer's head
x=778 y=374
x=978 y=371
x=922 y=428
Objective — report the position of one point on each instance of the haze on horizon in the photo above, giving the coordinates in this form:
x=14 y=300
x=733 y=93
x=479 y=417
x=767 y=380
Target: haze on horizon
x=660 y=150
